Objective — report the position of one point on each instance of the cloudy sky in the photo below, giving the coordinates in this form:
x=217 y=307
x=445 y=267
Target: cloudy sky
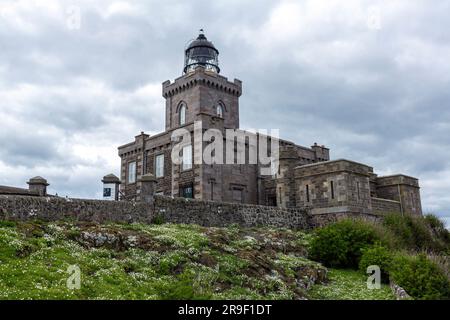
x=369 y=79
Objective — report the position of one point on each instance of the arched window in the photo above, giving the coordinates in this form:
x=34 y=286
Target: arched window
x=182 y=115
x=219 y=110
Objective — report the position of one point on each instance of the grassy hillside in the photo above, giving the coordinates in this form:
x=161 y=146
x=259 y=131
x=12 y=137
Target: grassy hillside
x=411 y=252
x=166 y=262
x=347 y=284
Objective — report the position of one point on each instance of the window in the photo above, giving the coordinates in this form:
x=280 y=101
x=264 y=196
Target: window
x=358 y=191
x=332 y=189
x=275 y=168
x=187 y=157
x=212 y=182
x=187 y=191
x=106 y=192
x=159 y=166
x=182 y=115
x=219 y=111
x=307 y=193
x=272 y=200
x=132 y=172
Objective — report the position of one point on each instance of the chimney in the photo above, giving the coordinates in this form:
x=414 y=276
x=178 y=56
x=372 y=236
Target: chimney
x=38 y=185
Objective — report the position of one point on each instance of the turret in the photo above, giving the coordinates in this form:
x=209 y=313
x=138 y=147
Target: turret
x=38 y=185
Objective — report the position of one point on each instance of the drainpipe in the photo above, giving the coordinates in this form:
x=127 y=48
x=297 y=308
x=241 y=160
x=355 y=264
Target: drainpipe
x=144 y=156
x=400 y=199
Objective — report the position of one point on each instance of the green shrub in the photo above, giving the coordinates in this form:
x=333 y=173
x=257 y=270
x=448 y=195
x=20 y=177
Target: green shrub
x=340 y=244
x=420 y=277
x=7 y=224
x=439 y=231
x=435 y=223
x=442 y=261
x=406 y=231
x=377 y=255
x=158 y=220
x=418 y=233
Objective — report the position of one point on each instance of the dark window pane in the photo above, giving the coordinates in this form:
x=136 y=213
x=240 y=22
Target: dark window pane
x=107 y=192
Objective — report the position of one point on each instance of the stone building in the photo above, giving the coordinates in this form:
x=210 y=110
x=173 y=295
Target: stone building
x=306 y=177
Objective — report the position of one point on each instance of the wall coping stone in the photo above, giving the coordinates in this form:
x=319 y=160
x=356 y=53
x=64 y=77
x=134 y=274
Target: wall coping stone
x=386 y=200
x=331 y=162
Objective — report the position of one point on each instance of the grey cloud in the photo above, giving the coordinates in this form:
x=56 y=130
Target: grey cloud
x=27 y=149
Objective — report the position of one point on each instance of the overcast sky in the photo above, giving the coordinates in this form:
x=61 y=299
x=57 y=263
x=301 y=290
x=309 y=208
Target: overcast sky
x=369 y=79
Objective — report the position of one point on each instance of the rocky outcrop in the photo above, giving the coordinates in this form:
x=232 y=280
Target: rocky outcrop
x=399 y=292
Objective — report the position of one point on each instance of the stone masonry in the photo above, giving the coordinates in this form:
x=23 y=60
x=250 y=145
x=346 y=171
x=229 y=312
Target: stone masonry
x=307 y=190
x=174 y=210
x=306 y=177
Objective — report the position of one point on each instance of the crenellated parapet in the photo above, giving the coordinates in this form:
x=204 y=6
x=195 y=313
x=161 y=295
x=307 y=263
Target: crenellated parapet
x=204 y=78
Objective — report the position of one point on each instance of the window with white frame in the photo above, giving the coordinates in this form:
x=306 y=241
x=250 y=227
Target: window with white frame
x=187 y=157
x=219 y=110
x=132 y=172
x=182 y=115
x=159 y=166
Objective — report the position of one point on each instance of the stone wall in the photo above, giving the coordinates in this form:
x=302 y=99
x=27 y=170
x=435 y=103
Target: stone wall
x=164 y=183
x=219 y=214
x=175 y=210
x=320 y=220
x=200 y=91
x=383 y=206
x=55 y=208
x=401 y=188
x=333 y=186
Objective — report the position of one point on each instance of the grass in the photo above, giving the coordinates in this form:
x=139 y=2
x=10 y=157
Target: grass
x=166 y=261
x=349 y=285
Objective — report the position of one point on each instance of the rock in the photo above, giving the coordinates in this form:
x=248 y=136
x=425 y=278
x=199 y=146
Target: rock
x=399 y=292
x=309 y=275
